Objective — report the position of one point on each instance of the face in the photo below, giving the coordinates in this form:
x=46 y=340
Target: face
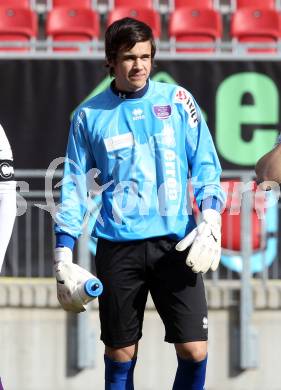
x=132 y=67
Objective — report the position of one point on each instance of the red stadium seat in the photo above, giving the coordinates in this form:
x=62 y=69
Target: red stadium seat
x=231 y=219
x=72 y=3
x=260 y=26
x=195 y=26
x=193 y=3
x=270 y=4
x=15 y=3
x=149 y=16
x=17 y=25
x=133 y=3
x=72 y=24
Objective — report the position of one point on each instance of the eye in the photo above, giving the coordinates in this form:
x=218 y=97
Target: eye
x=129 y=59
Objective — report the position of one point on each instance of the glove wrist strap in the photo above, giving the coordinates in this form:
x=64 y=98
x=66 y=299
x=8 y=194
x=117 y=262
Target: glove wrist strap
x=212 y=217
x=63 y=254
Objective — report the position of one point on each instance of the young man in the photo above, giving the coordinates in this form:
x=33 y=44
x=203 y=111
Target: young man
x=8 y=206
x=142 y=139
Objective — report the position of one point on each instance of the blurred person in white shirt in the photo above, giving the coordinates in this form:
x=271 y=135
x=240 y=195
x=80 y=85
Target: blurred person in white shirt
x=7 y=195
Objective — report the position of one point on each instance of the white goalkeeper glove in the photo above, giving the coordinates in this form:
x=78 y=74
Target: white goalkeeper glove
x=70 y=281
x=205 y=241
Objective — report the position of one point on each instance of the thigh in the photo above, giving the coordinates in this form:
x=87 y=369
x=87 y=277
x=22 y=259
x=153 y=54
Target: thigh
x=120 y=267
x=179 y=297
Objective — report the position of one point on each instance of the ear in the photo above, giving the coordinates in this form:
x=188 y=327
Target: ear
x=109 y=63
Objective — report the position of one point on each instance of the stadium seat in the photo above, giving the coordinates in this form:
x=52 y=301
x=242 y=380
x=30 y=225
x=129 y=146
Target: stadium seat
x=192 y=3
x=195 y=26
x=231 y=219
x=149 y=16
x=72 y=3
x=270 y=4
x=17 y=25
x=72 y=25
x=133 y=3
x=15 y=3
x=257 y=26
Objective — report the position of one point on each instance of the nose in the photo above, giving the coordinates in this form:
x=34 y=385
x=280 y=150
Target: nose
x=137 y=63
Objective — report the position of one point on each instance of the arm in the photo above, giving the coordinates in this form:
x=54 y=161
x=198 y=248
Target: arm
x=74 y=190
x=72 y=280
x=205 y=239
x=268 y=167
x=205 y=168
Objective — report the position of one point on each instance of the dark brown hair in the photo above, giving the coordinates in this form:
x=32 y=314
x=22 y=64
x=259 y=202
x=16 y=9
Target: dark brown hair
x=125 y=33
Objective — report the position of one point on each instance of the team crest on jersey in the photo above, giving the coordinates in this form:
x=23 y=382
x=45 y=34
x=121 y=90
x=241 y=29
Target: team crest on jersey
x=181 y=96
x=137 y=114
x=162 y=112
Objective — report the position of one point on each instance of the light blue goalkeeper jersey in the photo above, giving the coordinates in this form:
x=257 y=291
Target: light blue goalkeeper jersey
x=137 y=155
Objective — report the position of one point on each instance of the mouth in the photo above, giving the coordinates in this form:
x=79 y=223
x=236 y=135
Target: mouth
x=137 y=76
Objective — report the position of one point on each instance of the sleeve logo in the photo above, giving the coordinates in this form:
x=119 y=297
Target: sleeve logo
x=190 y=108
x=184 y=97
x=6 y=170
x=181 y=96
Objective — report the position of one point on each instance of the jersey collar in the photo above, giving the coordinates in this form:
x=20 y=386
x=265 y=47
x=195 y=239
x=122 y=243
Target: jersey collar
x=129 y=95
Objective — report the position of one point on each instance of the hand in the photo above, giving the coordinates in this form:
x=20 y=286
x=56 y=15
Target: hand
x=70 y=279
x=205 y=241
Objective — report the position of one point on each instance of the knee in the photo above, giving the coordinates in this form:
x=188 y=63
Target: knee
x=121 y=354
x=196 y=350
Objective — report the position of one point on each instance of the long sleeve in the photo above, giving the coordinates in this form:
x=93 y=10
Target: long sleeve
x=204 y=163
x=74 y=186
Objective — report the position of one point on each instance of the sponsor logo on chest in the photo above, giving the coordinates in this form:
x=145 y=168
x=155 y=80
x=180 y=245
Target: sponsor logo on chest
x=137 y=114
x=168 y=139
x=119 y=141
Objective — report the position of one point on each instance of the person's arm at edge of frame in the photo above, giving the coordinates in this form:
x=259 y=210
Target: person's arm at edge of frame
x=8 y=203
x=268 y=167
